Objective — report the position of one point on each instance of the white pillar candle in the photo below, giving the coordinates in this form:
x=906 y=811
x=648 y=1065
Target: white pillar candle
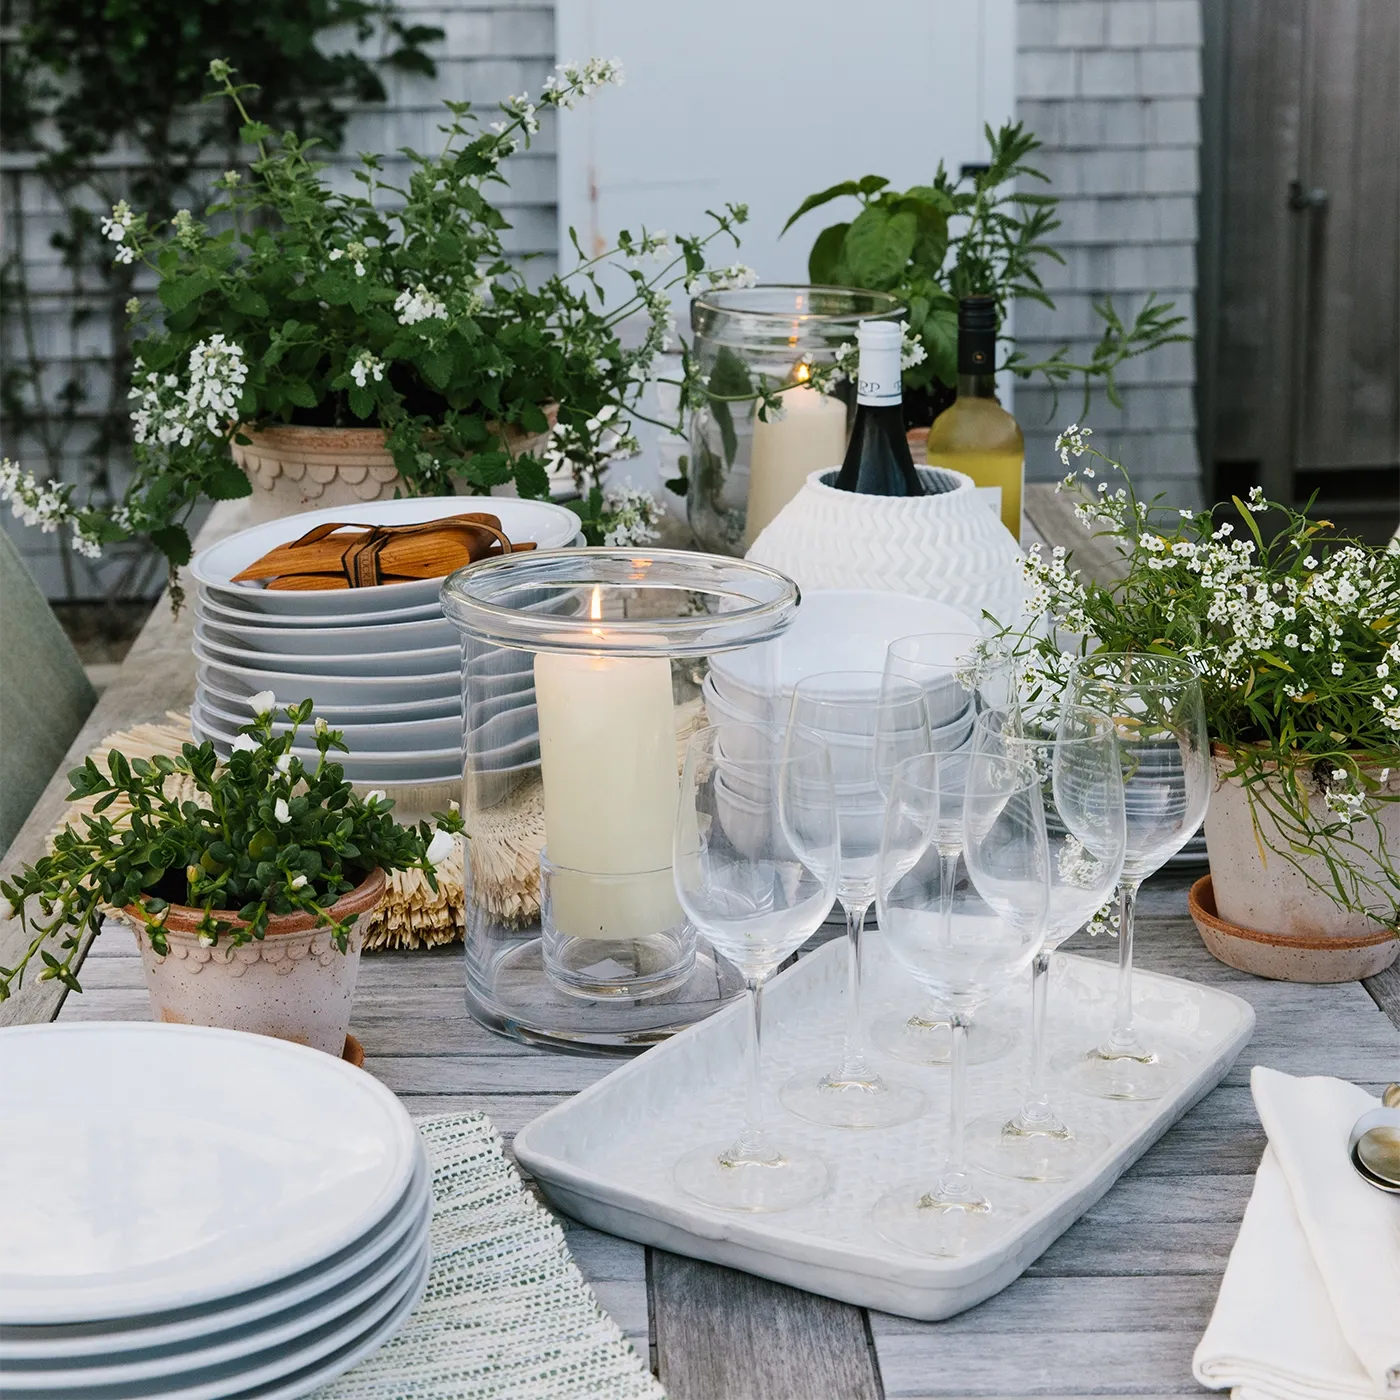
x=811 y=434
x=608 y=764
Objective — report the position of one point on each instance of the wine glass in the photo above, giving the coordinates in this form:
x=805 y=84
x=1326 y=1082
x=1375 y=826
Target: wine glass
x=756 y=864
x=963 y=674
x=1159 y=716
x=1000 y=895
x=1081 y=788
x=868 y=728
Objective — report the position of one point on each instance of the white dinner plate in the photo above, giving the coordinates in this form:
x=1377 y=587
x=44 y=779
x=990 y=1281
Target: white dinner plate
x=370 y=662
x=219 y=606
x=257 y=1158
x=834 y=630
x=327 y=641
x=290 y=686
x=393 y=736
x=380 y=1254
x=233 y=695
x=548 y=526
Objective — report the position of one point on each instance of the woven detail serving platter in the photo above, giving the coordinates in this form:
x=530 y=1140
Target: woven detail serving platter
x=606 y=1156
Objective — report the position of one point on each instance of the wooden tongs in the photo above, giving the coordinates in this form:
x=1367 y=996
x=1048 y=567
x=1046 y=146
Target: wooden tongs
x=363 y=556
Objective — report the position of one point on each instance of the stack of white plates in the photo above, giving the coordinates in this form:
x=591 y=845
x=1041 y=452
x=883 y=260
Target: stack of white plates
x=383 y=664
x=208 y=1214
x=835 y=630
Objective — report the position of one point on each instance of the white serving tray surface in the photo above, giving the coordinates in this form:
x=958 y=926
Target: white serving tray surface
x=605 y=1157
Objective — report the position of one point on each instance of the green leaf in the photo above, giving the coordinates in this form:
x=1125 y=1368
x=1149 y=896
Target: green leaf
x=815 y=201
x=531 y=479
x=878 y=245
x=437 y=368
x=178 y=292
x=173 y=541
x=940 y=337
x=253 y=132
x=826 y=256
x=249 y=303
x=300 y=393
x=227 y=483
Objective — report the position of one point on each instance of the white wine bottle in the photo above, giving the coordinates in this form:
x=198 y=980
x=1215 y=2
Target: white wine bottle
x=975 y=434
x=878 y=462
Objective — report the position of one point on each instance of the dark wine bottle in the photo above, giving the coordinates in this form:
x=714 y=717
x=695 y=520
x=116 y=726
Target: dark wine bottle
x=877 y=459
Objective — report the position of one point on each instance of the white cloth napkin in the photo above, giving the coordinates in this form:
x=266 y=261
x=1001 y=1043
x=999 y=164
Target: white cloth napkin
x=1309 y=1308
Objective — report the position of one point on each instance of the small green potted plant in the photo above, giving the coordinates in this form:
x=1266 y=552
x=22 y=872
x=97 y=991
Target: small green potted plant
x=321 y=348
x=1296 y=635
x=246 y=881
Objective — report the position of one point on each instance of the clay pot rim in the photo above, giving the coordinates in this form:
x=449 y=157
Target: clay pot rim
x=1368 y=762
x=327 y=436
x=182 y=919
x=1201 y=902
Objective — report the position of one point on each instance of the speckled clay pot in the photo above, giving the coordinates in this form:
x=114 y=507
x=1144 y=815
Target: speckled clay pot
x=294 y=468
x=294 y=984
x=1267 y=917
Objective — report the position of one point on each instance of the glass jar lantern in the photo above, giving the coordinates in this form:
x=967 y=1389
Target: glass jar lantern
x=744 y=470
x=582 y=672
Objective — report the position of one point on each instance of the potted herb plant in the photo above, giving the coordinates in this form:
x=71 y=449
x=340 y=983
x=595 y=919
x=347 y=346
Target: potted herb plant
x=245 y=881
x=355 y=346
x=1297 y=639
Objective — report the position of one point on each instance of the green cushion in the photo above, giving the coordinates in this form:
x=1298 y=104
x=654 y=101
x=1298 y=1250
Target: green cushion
x=44 y=693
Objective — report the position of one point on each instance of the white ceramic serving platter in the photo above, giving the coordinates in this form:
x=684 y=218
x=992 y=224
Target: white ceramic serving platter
x=386 y=665
x=220 y=608
x=233 y=693
x=316 y=1293
x=606 y=1156
x=548 y=526
x=834 y=630
x=392 y=736
x=333 y=690
x=412 y=635
x=297 y=1155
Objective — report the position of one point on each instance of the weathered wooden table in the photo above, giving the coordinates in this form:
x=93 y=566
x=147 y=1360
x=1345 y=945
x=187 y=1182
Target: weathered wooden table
x=1114 y=1307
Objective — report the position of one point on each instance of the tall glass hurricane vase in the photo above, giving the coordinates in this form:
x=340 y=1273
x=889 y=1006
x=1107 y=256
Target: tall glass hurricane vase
x=1158 y=712
x=755 y=859
x=868 y=727
x=1081 y=787
x=1000 y=899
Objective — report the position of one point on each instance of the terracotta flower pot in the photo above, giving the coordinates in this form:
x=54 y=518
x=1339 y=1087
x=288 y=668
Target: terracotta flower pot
x=1268 y=916
x=294 y=468
x=294 y=983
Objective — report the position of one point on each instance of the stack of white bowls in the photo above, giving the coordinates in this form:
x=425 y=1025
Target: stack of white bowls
x=382 y=664
x=210 y=1214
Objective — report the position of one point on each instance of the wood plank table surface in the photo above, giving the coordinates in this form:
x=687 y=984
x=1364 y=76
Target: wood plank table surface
x=1113 y=1308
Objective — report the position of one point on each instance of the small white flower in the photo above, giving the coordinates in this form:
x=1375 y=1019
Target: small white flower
x=419 y=305
x=281 y=811
x=365 y=368
x=443 y=845
x=7 y=910
x=299 y=882
x=377 y=795
x=245 y=743
x=1338 y=668
x=284 y=763
x=321 y=726
x=263 y=703
x=455 y=806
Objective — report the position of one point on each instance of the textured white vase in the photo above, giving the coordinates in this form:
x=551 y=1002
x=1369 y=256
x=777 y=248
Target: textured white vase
x=948 y=544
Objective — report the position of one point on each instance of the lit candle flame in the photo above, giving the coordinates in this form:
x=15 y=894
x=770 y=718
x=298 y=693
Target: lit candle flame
x=803 y=372
x=595 y=607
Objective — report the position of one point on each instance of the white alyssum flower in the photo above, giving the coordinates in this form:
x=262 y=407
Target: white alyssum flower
x=1073 y=442
x=419 y=305
x=245 y=743
x=263 y=703
x=441 y=847
x=365 y=368
x=281 y=811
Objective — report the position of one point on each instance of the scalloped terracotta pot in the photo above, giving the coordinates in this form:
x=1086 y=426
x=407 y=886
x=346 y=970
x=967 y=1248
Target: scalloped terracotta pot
x=294 y=983
x=294 y=468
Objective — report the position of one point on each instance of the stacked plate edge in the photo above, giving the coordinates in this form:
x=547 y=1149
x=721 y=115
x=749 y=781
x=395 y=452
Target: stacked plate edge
x=253 y=1229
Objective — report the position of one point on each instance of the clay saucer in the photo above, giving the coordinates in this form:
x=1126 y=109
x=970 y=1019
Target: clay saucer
x=1289 y=957
x=354 y=1052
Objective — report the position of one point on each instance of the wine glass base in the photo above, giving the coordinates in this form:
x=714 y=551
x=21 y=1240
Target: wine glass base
x=783 y=1181
x=869 y=1102
x=1136 y=1078
x=916 y=1218
x=995 y=1144
x=920 y=1042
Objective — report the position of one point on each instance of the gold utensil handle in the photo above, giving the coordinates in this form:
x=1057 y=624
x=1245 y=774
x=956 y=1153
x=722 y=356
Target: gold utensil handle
x=1391 y=1097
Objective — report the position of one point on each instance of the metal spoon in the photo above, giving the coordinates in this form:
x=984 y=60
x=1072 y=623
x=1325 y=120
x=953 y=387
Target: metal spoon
x=1374 y=1145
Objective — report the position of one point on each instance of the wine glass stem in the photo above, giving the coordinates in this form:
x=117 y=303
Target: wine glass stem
x=948 y=873
x=1124 y=1035
x=753 y=1141
x=1036 y=1108
x=853 y=1064
x=954 y=1181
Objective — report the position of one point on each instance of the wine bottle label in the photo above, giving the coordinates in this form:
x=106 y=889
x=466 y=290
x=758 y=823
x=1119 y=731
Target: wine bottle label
x=879 y=379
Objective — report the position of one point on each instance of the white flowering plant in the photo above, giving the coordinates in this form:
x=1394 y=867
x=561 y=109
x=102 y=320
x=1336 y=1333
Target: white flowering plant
x=396 y=306
x=264 y=833
x=1296 y=635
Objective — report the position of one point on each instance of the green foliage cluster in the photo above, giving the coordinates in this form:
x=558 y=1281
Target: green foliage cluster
x=266 y=834
x=982 y=234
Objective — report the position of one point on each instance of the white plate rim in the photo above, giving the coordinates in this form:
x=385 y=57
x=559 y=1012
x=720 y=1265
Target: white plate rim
x=303 y=678
x=301 y=622
x=346 y=759
x=126 y=1299
x=221 y=655
x=389 y=709
x=234 y=723
x=292 y=637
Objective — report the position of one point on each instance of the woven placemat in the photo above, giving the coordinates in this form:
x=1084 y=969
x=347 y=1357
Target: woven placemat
x=413 y=914
x=506 y=1315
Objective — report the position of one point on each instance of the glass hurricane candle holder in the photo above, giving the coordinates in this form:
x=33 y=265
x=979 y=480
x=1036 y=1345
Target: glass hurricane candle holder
x=743 y=469
x=582 y=674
